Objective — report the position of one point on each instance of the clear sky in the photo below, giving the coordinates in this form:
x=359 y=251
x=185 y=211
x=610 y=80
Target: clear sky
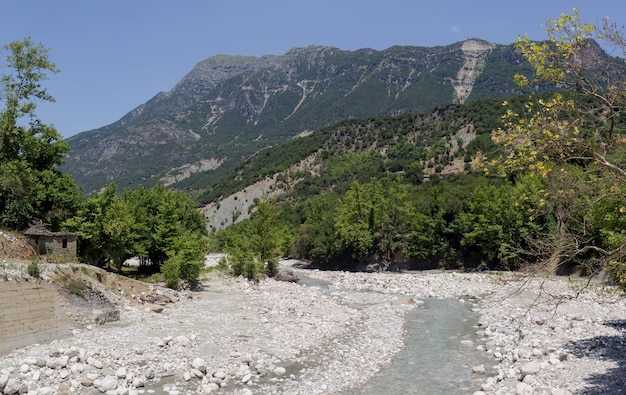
x=116 y=54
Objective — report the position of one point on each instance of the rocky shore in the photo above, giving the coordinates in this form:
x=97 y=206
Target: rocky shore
x=544 y=336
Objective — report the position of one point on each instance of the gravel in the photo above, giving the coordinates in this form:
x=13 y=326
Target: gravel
x=545 y=336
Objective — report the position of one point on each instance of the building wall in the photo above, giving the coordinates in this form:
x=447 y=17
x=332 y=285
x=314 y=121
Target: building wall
x=54 y=245
x=30 y=313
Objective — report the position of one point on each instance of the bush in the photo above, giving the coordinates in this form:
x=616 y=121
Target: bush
x=33 y=269
x=170 y=271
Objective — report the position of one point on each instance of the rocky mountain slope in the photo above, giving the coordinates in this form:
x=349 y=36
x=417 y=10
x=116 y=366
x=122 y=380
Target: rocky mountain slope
x=229 y=107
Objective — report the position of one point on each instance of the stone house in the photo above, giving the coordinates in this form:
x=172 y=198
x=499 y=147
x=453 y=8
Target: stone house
x=58 y=244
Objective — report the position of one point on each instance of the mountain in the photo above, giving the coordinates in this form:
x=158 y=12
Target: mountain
x=229 y=107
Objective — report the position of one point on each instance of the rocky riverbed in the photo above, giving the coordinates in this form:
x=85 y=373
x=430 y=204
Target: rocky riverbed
x=543 y=336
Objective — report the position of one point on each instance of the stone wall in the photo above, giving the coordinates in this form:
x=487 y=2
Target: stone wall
x=30 y=313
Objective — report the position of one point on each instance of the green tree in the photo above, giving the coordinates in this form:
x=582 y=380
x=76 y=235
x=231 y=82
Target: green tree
x=574 y=140
x=105 y=229
x=30 y=184
x=254 y=245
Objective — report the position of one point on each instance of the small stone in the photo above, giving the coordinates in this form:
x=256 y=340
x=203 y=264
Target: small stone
x=200 y=364
x=479 y=369
x=64 y=388
x=196 y=373
x=149 y=373
x=210 y=388
x=24 y=368
x=11 y=387
x=58 y=363
x=155 y=308
x=531 y=368
x=108 y=383
x=108 y=372
x=97 y=364
x=4 y=378
x=220 y=374
x=86 y=382
x=279 y=371
x=246 y=378
x=467 y=342
x=524 y=389
x=530 y=379
x=121 y=373
x=187 y=376
x=183 y=341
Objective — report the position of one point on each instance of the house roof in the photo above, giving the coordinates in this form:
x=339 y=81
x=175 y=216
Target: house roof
x=40 y=228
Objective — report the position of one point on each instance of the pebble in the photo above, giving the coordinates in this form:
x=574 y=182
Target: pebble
x=528 y=348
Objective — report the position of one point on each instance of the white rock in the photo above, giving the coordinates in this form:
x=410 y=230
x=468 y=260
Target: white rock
x=108 y=383
x=149 y=373
x=183 y=341
x=524 y=389
x=532 y=367
x=58 y=363
x=121 y=373
x=200 y=364
x=479 y=369
x=4 y=378
x=196 y=373
x=220 y=374
x=246 y=378
x=279 y=371
x=187 y=376
x=12 y=387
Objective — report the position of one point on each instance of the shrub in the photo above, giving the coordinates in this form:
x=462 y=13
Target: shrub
x=33 y=269
x=170 y=271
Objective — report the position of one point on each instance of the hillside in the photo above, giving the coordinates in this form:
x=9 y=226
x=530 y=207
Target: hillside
x=416 y=146
x=229 y=107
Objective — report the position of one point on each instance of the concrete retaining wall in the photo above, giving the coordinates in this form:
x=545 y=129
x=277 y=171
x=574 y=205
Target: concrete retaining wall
x=29 y=313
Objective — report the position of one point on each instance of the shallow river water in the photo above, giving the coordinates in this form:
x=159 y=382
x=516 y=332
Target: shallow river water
x=434 y=360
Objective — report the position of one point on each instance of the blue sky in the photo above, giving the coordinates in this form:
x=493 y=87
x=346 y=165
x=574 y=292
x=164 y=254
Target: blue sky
x=116 y=54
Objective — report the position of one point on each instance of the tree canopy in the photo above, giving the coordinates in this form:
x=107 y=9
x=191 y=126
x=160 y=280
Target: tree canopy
x=30 y=150
x=575 y=142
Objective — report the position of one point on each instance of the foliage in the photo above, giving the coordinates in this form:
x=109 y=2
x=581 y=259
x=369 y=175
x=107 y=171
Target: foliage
x=574 y=141
x=254 y=245
x=30 y=151
x=158 y=224
x=33 y=269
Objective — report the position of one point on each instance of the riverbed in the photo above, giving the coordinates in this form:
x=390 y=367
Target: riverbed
x=346 y=333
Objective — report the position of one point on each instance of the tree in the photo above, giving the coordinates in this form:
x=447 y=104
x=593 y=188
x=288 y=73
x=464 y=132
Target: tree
x=254 y=245
x=160 y=225
x=574 y=140
x=30 y=184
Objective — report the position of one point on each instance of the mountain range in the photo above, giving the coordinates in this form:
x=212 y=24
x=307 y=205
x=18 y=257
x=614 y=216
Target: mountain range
x=229 y=108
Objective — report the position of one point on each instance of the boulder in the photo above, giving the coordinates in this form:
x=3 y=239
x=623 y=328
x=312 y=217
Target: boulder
x=286 y=275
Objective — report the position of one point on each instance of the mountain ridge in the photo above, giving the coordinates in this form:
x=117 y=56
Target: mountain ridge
x=229 y=107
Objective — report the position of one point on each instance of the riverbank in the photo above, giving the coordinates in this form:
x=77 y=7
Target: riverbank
x=239 y=337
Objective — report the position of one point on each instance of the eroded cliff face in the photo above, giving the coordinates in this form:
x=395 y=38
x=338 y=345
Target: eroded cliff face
x=474 y=59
